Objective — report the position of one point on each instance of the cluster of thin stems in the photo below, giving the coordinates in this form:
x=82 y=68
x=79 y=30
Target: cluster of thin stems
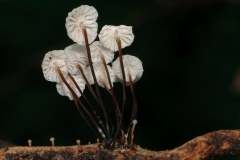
x=105 y=130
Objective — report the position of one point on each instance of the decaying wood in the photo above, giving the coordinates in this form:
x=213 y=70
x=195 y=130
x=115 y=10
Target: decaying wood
x=209 y=145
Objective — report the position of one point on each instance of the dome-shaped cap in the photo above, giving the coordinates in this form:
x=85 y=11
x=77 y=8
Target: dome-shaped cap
x=80 y=51
x=131 y=65
x=109 y=34
x=97 y=49
x=64 y=91
x=101 y=74
x=53 y=59
x=83 y=15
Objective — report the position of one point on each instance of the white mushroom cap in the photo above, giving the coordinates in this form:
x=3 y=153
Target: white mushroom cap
x=97 y=49
x=83 y=15
x=49 y=63
x=64 y=91
x=52 y=139
x=80 y=51
x=134 y=122
x=78 y=141
x=109 y=34
x=131 y=65
x=30 y=142
x=72 y=62
x=101 y=74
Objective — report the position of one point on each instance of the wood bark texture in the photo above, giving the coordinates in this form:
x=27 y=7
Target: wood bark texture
x=213 y=144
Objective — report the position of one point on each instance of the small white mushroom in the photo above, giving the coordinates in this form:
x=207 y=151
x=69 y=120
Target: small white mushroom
x=134 y=122
x=110 y=34
x=29 y=142
x=98 y=51
x=115 y=38
x=83 y=16
x=132 y=65
x=52 y=139
x=72 y=62
x=63 y=89
x=52 y=60
x=101 y=75
x=78 y=142
x=126 y=136
x=81 y=53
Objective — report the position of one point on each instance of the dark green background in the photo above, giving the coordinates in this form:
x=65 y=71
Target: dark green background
x=190 y=52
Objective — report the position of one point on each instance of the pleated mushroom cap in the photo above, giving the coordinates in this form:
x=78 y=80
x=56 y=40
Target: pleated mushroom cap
x=72 y=62
x=109 y=34
x=83 y=15
x=51 y=61
x=97 y=49
x=80 y=51
x=64 y=91
x=101 y=74
x=131 y=65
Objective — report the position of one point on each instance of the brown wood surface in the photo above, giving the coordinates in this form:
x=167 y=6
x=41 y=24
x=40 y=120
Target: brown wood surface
x=209 y=145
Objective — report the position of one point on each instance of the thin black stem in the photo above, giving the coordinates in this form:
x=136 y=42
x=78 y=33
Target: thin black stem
x=84 y=108
x=118 y=41
x=76 y=104
x=85 y=98
x=135 y=105
x=94 y=95
x=123 y=72
x=88 y=85
x=117 y=109
x=75 y=83
x=95 y=80
x=105 y=86
x=94 y=122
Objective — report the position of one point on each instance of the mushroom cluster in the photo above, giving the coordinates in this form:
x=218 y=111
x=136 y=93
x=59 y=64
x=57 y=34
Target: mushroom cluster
x=89 y=62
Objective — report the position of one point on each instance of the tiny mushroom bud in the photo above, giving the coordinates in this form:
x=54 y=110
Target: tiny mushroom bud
x=109 y=34
x=52 y=140
x=29 y=142
x=64 y=91
x=53 y=60
x=79 y=146
x=78 y=142
x=126 y=139
x=82 y=17
x=134 y=122
x=132 y=66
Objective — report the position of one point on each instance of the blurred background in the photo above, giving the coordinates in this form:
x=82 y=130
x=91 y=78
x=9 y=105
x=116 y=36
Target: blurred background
x=190 y=52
